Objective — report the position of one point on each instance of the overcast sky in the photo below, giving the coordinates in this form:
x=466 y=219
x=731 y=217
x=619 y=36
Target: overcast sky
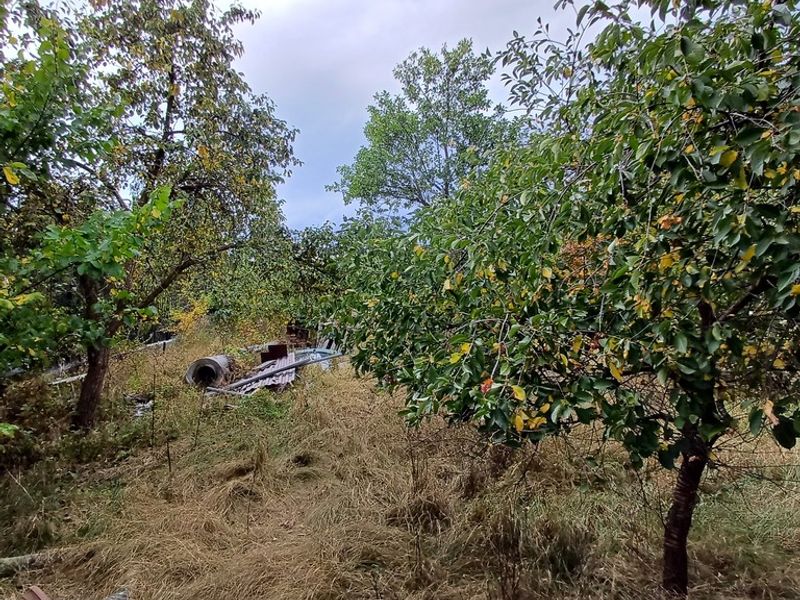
x=321 y=61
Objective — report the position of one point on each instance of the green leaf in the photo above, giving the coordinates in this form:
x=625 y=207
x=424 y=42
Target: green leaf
x=756 y=421
x=691 y=50
x=749 y=135
x=582 y=13
x=681 y=343
x=8 y=430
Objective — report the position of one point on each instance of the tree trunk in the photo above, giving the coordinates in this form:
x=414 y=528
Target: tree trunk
x=92 y=387
x=679 y=520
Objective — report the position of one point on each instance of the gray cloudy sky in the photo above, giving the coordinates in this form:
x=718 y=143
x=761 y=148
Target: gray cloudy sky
x=321 y=61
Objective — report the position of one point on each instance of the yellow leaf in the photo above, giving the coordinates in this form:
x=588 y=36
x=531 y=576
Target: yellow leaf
x=519 y=421
x=536 y=422
x=23 y=299
x=689 y=149
x=615 y=372
x=156 y=213
x=455 y=357
x=519 y=393
x=796 y=289
x=577 y=344
x=749 y=253
x=778 y=363
x=447 y=285
x=728 y=158
x=419 y=250
x=11 y=177
x=769 y=173
x=395 y=275
x=741 y=180
x=544 y=408
x=465 y=348
x=666 y=261
x=766 y=134
x=547 y=272
x=796 y=174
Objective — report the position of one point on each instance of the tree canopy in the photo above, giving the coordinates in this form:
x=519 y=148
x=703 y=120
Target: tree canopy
x=112 y=110
x=422 y=142
x=634 y=266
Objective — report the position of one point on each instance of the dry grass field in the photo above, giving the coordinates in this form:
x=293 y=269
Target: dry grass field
x=320 y=492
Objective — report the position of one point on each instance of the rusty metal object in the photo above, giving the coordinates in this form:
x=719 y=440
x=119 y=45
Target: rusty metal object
x=34 y=593
x=274 y=351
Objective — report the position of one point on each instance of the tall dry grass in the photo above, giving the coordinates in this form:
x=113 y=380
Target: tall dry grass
x=321 y=492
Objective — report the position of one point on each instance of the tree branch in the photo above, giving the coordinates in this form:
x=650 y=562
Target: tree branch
x=161 y=153
x=107 y=184
x=761 y=285
x=181 y=268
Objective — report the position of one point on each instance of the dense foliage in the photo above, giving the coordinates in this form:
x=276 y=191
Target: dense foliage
x=634 y=265
x=627 y=257
x=424 y=141
x=107 y=107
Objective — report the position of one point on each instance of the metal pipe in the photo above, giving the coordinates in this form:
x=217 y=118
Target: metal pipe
x=209 y=371
x=273 y=372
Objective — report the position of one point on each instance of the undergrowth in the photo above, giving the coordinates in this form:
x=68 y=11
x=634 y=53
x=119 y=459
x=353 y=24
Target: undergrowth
x=321 y=492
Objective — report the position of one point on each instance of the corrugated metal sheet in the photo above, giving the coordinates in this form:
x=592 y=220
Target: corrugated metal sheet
x=281 y=380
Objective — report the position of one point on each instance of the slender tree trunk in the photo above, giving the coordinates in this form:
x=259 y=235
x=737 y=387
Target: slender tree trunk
x=679 y=520
x=97 y=358
x=92 y=387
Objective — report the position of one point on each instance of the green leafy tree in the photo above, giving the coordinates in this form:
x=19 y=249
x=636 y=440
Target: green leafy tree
x=424 y=141
x=636 y=266
x=49 y=122
x=183 y=123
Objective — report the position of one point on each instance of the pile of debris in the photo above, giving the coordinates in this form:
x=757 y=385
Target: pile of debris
x=277 y=369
